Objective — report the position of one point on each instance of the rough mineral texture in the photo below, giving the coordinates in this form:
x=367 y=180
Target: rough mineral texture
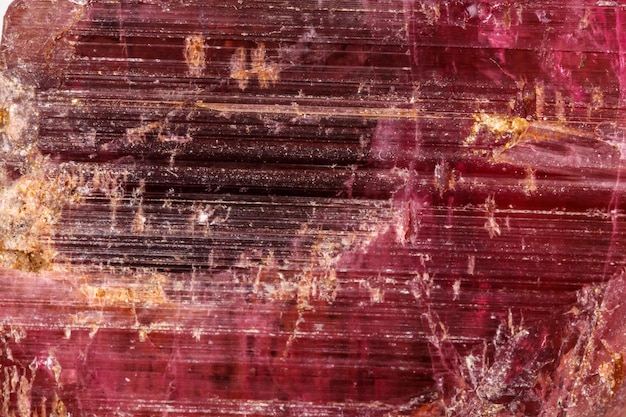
x=312 y=208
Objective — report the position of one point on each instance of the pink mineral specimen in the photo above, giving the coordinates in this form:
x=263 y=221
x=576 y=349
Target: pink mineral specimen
x=295 y=208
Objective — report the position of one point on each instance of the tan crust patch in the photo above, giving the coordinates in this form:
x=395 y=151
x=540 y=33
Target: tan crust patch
x=498 y=125
x=195 y=55
x=152 y=293
x=264 y=71
x=29 y=208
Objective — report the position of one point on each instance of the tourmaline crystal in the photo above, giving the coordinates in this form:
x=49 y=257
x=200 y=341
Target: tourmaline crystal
x=295 y=208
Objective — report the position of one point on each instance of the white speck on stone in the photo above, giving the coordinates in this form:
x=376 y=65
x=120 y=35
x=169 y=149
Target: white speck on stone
x=456 y=289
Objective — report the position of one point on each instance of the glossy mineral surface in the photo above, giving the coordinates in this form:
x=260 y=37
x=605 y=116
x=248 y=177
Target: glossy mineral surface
x=295 y=208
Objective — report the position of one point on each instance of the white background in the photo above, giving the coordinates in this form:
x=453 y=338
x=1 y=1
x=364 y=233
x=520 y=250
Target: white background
x=3 y=7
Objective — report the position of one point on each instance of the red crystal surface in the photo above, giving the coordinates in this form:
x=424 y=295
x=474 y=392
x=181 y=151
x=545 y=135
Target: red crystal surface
x=312 y=208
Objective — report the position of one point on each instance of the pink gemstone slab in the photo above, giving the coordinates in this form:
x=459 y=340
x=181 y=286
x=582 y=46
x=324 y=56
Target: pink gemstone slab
x=312 y=208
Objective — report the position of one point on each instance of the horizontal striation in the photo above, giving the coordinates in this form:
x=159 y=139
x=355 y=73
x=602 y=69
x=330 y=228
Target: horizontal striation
x=297 y=208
